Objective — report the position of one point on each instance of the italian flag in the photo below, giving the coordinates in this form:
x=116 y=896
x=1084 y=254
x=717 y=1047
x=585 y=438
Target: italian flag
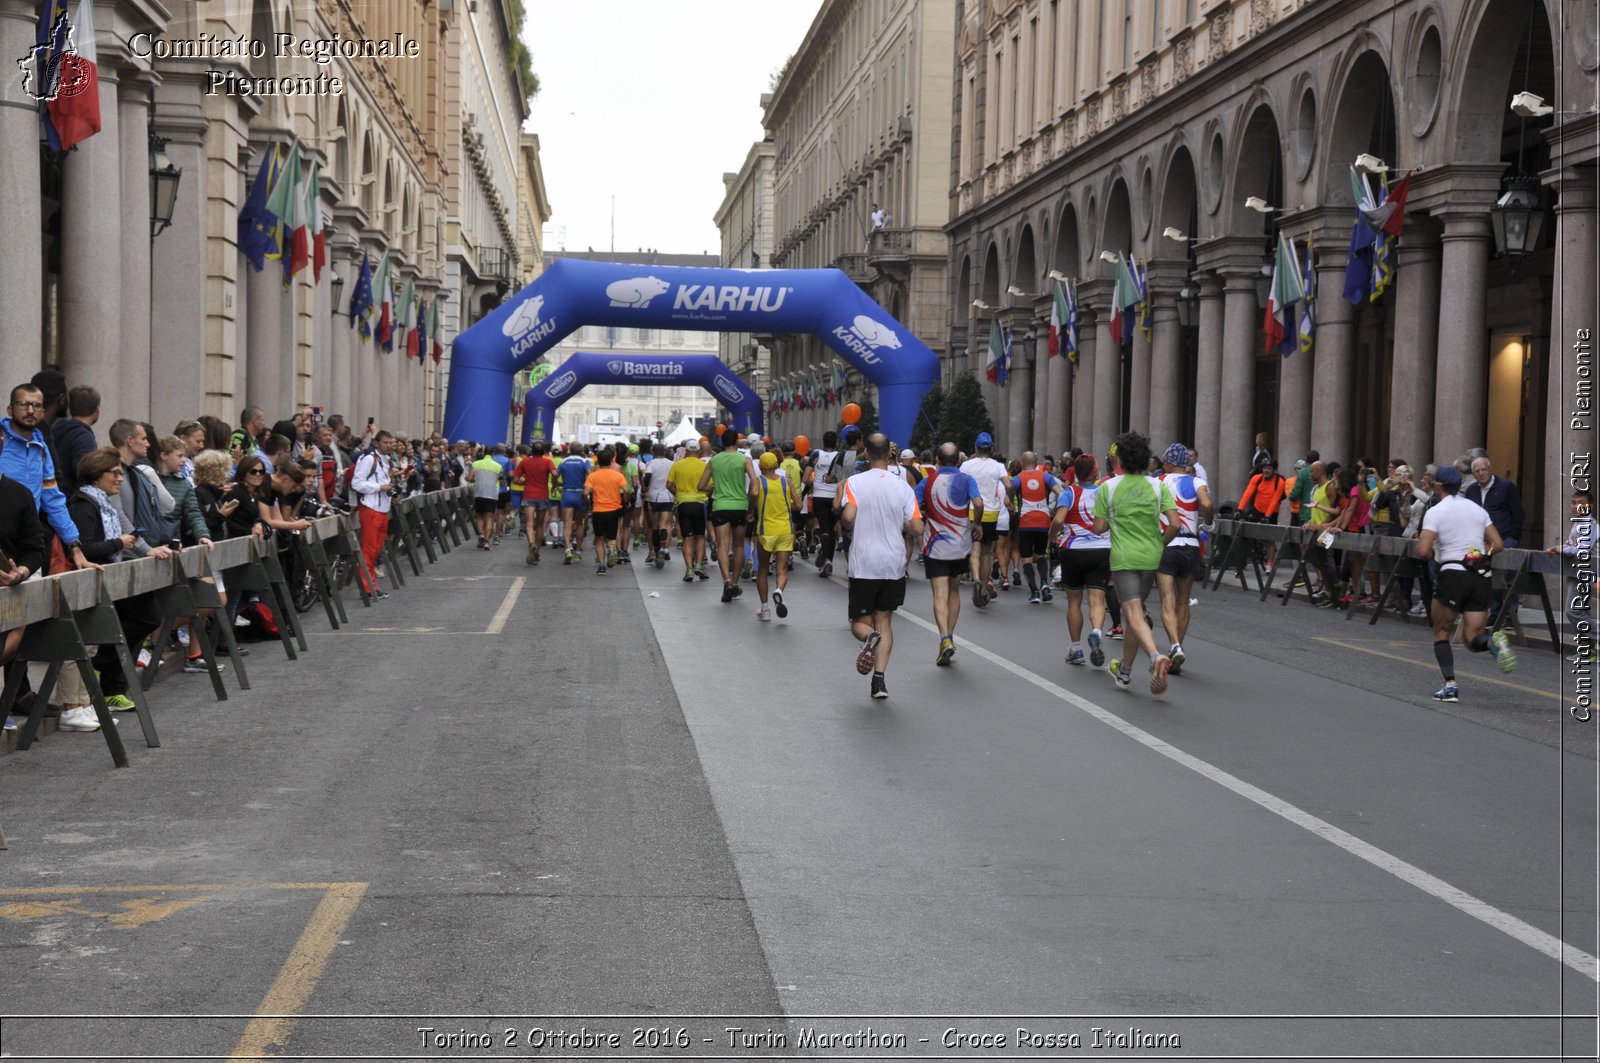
x=385 y=296
x=433 y=330
x=288 y=205
x=319 y=238
x=1279 y=324
x=402 y=318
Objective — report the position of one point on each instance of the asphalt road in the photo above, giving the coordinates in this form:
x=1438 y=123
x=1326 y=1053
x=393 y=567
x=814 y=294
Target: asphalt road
x=549 y=812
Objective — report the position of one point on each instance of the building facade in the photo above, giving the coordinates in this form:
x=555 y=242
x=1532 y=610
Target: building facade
x=861 y=118
x=603 y=411
x=178 y=324
x=745 y=221
x=1091 y=128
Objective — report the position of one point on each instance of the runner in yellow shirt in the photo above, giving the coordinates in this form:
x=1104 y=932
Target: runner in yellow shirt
x=774 y=496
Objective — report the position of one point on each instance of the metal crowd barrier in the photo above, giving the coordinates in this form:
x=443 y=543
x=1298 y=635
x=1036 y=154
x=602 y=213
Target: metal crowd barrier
x=1236 y=543
x=67 y=613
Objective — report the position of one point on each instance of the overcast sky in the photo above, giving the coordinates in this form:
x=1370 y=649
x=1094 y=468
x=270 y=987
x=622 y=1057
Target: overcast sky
x=650 y=103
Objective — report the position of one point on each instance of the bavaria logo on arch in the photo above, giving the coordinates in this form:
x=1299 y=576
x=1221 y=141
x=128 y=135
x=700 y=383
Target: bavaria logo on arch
x=614 y=368
x=561 y=385
x=728 y=390
x=635 y=292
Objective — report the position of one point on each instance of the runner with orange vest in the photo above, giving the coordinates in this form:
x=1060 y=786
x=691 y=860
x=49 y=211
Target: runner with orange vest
x=1035 y=491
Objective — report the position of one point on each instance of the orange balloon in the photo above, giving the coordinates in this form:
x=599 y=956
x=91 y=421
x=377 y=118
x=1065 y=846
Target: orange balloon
x=718 y=428
x=802 y=446
x=767 y=440
x=704 y=442
x=850 y=414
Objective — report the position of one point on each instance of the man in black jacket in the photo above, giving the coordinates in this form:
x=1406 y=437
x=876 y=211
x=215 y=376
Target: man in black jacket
x=22 y=539
x=74 y=435
x=1500 y=497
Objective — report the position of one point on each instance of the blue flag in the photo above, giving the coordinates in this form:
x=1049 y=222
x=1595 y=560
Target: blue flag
x=1358 y=271
x=258 y=229
x=361 y=301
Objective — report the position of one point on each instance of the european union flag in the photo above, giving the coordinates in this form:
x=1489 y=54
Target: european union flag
x=258 y=229
x=361 y=301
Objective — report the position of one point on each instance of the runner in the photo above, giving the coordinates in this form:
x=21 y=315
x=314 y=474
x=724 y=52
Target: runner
x=1131 y=506
x=949 y=498
x=683 y=481
x=658 y=489
x=774 y=496
x=1462 y=537
x=1035 y=492
x=825 y=478
x=518 y=485
x=1085 y=560
x=535 y=470
x=792 y=469
x=988 y=474
x=503 y=509
x=606 y=492
x=629 y=467
x=879 y=510
x=1180 y=561
x=729 y=476
x=485 y=474
x=573 y=470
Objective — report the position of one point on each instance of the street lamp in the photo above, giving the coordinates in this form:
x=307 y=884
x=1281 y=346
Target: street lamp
x=1517 y=219
x=1264 y=284
x=164 y=177
x=336 y=283
x=1188 y=305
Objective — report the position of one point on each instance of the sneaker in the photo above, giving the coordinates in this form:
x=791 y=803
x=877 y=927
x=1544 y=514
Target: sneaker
x=688 y=575
x=827 y=569
x=1123 y=682
x=777 y=603
x=727 y=593
x=1116 y=633
x=1097 y=655
x=869 y=652
x=1016 y=579
x=700 y=573
x=1034 y=598
x=1368 y=599
x=978 y=598
x=195 y=665
x=119 y=703
x=9 y=725
x=623 y=558
x=380 y=596
x=81 y=718
x=183 y=637
x=1504 y=655
x=1449 y=692
x=1417 y=610
x=1003 y=586
x=566 y=558
x=1158 y=675
x=880 y=688
x=1075 y=657
x=1048 y=597
x=764 y=613
x=377 y=570
x=947 y=650
x=599 y=570
x=533 y=556
x=1177 y=658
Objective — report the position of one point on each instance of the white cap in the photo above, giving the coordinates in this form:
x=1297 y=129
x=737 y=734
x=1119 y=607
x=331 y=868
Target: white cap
x=907 y=453
x=692 y=446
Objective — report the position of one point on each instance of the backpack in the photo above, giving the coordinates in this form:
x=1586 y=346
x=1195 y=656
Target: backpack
x=158 y=528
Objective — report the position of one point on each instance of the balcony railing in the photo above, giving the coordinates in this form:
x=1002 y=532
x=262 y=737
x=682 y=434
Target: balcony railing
x=495 y=263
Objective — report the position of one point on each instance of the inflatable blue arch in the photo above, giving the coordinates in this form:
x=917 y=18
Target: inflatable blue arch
x=591 y=367
x=573 y=292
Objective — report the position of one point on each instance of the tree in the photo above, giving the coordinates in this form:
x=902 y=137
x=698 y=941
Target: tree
x=963 y=414
x=930 y=416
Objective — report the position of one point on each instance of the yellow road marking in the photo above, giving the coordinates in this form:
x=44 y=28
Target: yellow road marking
x=498 y=624
x=131 y=915
x=74 y=891
x=275 y=1018
x=1422 y=664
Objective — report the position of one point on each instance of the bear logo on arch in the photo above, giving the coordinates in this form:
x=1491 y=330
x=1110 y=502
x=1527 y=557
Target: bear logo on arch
x=874 y=334
x=635 y=292
x=524 y=318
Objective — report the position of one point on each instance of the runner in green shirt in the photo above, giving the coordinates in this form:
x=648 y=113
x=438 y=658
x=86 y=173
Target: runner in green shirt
x=729 y=475
x=1142 y=517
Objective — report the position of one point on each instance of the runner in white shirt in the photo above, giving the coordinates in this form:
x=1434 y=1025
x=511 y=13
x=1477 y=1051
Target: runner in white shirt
x=989 y=476
x=658 y=505
x=826 y=473
x=1460 y=535
x=879 y=510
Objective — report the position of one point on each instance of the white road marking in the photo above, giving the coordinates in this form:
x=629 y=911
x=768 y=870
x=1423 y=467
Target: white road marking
x=498 y=624
x=1506 y=923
